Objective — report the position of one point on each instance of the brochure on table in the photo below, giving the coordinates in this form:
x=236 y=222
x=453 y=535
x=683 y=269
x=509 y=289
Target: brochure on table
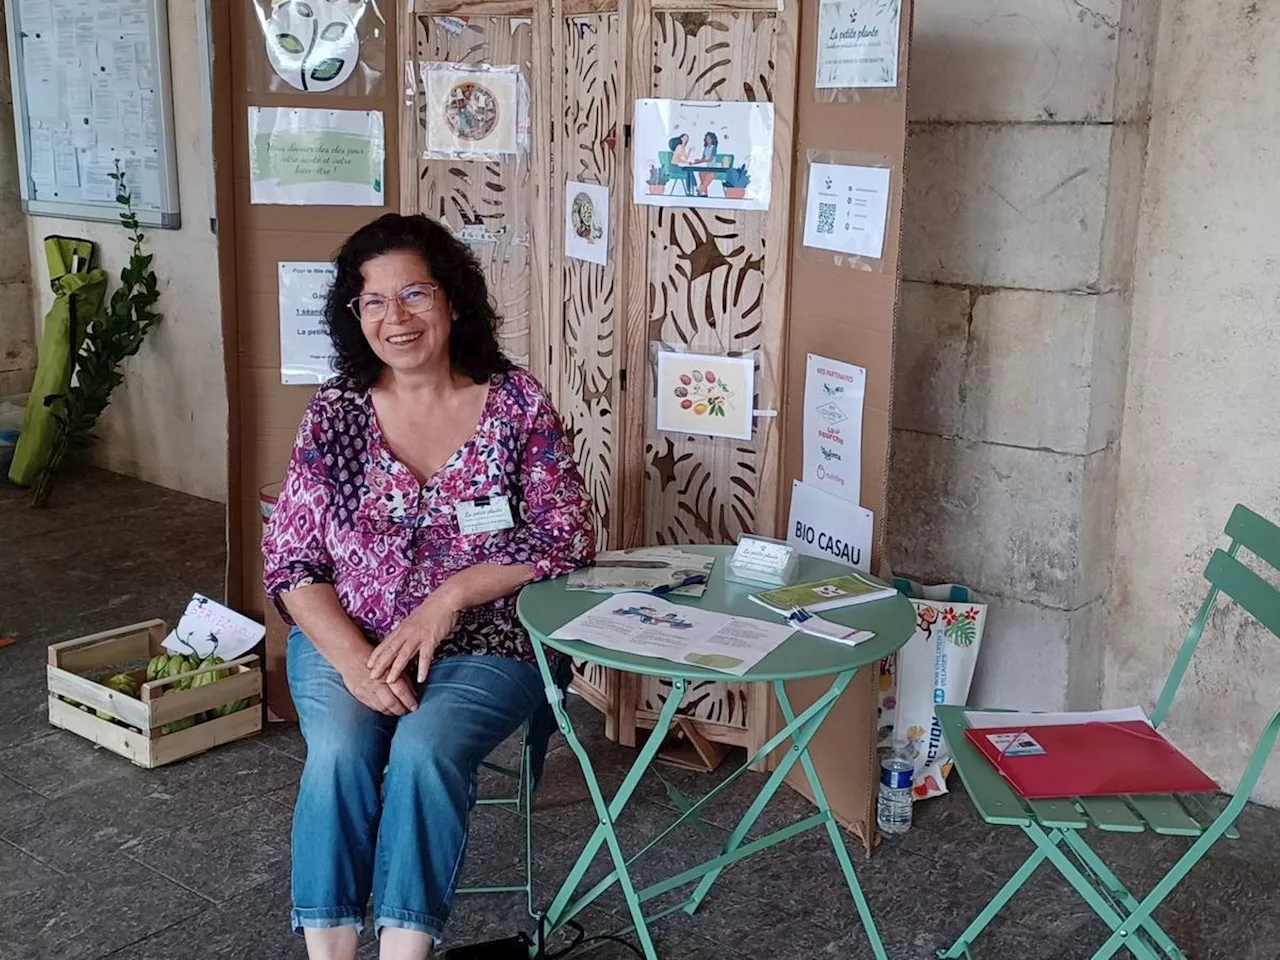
x=644 y=569
x=646 y=625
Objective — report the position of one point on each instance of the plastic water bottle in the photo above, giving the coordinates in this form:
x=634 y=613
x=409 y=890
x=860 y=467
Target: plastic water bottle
x=893 y=811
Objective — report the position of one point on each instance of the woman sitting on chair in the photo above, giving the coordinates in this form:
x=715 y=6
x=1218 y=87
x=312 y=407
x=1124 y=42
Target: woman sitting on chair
x=430 y=480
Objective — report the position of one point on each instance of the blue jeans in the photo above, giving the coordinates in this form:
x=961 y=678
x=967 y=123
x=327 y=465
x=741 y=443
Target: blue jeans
x=384 y=801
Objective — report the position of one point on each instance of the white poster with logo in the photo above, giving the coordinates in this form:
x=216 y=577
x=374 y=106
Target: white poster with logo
x=833 y=395
x=824 y=526
x=858 y=43
x=306 y=352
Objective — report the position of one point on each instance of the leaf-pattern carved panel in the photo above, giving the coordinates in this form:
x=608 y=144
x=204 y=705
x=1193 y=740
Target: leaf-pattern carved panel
x=486 y=202
x=705 y=283
x=584 y=348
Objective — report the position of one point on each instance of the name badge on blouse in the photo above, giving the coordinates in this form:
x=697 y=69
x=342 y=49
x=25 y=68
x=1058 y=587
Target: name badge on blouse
x=485 y=515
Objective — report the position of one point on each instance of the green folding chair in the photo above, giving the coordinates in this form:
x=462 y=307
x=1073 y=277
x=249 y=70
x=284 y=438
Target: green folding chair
x=534 y=742
x=1057 y=827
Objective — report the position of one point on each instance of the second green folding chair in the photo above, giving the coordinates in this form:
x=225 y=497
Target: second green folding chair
x=1058 y=827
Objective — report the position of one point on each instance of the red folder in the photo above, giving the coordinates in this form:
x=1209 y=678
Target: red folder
x=1089 y=760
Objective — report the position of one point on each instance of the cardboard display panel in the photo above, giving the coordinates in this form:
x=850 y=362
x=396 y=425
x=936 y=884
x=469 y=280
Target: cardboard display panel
x=846 y=314
x=253 y=239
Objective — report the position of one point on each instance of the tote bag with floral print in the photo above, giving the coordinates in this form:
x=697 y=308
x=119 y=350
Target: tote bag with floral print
x=936 y=666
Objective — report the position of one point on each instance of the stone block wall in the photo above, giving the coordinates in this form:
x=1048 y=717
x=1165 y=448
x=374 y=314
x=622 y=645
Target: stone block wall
x=1024 y=162
x=17 y=331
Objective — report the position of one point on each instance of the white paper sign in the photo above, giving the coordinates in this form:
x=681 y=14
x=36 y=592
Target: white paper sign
x=316 y=157
x=858 y=43
x=586 y=221
x=822 y=525
x=306 y=352
x=833 y=394
x=847 y=209
x=207 y=628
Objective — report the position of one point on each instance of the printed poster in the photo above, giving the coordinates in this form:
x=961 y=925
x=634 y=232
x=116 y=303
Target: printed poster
x=586 y=221
x=825 y=526
x=858 y=43
x=316 y=157
x=306 y=352
x=703 y=153
x=472 y=113
x=847 y=208
x=709 y=395
x=833 y=395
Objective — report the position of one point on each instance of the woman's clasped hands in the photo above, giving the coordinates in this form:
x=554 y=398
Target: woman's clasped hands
x=416 y=636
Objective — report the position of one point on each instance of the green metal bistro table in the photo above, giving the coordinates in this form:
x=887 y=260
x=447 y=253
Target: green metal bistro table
x=545 y=607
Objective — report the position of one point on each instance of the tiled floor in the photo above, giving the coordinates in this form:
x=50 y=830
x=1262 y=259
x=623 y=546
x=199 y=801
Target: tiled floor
x=191 y=861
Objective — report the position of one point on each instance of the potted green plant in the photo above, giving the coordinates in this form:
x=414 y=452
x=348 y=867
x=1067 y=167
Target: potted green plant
x=735 y=182
x=656 y=181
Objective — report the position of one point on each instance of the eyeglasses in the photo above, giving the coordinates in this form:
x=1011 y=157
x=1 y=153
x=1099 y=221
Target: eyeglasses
x=417 y=299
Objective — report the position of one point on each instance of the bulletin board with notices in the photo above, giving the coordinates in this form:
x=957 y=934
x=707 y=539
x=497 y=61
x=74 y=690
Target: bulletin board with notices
x=91 y=89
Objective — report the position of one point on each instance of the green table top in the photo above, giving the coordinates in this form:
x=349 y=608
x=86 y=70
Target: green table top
x=545 y=607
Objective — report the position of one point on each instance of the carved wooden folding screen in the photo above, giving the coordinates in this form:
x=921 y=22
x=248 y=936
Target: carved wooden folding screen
x=697 y=280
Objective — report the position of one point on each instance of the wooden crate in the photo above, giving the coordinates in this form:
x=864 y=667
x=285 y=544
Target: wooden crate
x=158 y=703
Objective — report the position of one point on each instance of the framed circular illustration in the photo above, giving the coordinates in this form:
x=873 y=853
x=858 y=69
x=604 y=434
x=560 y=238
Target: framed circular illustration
x=471 y=113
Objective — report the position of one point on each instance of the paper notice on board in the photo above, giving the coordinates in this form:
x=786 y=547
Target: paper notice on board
x=41 y=156
x=150 y=124
x=66 y=165
x=134 y=21
x=146 y=81
x=306 y=352
x=833 y=396
x=847 y=208
x=41 y=75
x=64 y=42
x=124 y=67
x=131 y=125
x=79 y=101
x=825 y=526
x=35 y=17
x=104 y=107
x=97 y=185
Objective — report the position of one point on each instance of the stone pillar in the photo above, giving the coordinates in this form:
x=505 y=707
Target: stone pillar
x=17 y=327
x=1023 y=162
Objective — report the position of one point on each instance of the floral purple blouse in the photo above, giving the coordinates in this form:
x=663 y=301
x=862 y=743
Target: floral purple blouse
x=351 y=514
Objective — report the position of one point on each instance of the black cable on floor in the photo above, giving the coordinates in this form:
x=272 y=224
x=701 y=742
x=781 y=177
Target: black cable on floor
x=581 y=940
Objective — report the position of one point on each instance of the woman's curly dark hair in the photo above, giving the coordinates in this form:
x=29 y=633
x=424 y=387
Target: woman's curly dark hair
x=473 y=340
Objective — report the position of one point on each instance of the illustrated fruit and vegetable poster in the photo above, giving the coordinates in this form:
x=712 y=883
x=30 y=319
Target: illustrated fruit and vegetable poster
x=711 y=395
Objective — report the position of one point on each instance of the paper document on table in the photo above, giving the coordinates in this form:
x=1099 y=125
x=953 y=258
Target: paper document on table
x=644 y=624
x=984 y=719
x=818 y=627
x=644 y=569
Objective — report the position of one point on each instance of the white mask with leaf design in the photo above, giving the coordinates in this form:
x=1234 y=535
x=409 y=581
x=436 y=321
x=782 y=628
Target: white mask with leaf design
x=312 y=44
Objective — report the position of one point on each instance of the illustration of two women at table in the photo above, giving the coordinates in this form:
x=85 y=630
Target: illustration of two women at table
x=696 y=181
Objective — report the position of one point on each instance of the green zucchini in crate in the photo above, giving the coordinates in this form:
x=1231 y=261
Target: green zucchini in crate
x=167 y=707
